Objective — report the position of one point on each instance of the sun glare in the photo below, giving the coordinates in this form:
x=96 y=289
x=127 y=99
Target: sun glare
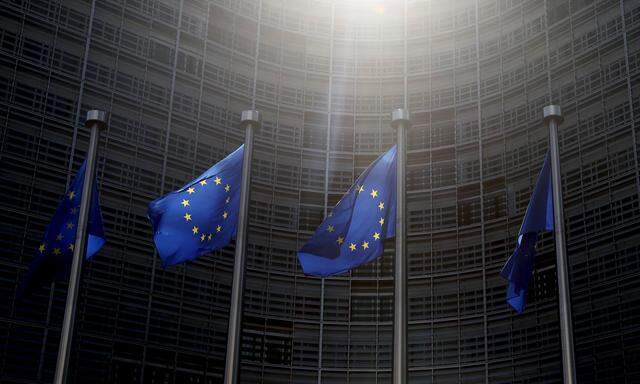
x=378 y=9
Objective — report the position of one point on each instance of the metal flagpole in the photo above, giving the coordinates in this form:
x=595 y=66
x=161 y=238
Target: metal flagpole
x=400 y=121
x=96 y=120
x=251 y=121
x=553 y=118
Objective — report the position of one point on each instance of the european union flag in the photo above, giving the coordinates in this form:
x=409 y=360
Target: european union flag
x=538 y=218
x=55 y=252
x=201 y=216
x=353 y=233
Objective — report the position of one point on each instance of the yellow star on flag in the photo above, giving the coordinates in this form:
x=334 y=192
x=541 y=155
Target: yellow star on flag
x=194 y=230
x=187 y=217
x=381 y=206
x=352 y=247
x=191 y=190
x=381 y=221
x=225 y=215
x=71 y=247
x=41 y=248
x=376 y=236
x=203 y=182
x=227 y=200
x=69 y=225
x=365 y=245
x=361 y=189
x=219 y=228
x=71 y=195
x=59 y=237
x=203 y=237
x=56 y=251
x=209 y=237
x=340 y=240
x=227 y=187
x=218 y=180
x=185 y=203
x=374 y=193
x=330 y=228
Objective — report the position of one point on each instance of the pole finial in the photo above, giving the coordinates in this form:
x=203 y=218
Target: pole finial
x=553 y=112
x=96 y=116
x=398 y=116
x=251 y=116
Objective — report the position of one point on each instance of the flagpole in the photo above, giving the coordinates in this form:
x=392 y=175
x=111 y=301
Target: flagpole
x=251 y=121
x=400 y=121
x=553 y=118
x=96 y=120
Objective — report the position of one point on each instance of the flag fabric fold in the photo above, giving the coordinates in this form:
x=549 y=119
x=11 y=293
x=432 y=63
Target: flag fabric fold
x=200 y=217
x=354 y=232
x=538 y=218
x=55 y=253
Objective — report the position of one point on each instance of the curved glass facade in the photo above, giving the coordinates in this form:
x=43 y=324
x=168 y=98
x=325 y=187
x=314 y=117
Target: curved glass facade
x=475 y=75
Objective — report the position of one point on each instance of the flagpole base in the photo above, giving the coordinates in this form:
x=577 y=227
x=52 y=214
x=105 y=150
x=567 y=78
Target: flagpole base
x=253 y=117
x=552 y=112
x=96 y=117
x=399 y=116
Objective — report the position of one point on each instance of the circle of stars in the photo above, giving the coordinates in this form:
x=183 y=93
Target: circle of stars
x=196 y=230
x=57 y=245
x=375 y=236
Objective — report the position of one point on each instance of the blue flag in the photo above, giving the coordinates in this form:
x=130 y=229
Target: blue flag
x=353 y=233
x=201 y=216
x=538 y=218
x=55 y=253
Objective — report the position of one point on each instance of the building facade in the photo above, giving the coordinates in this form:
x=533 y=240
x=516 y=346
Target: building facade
x=174 y=76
